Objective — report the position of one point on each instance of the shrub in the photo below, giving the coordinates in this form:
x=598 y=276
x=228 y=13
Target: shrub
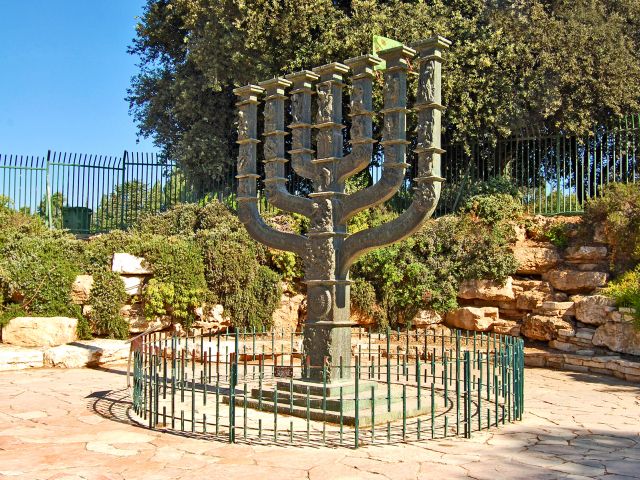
x=618 y=210
x=235 y=277
x=36 y=272
x=425 y=270
x=493 y=208
x=178 y=268
x=626 y=291
x=107 y=297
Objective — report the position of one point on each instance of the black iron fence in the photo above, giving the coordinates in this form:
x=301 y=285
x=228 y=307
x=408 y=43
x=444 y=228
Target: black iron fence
x=96 y=193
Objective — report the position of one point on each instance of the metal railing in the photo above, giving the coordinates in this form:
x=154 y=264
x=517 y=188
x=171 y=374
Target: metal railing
x=96 y=193
x=398 y=386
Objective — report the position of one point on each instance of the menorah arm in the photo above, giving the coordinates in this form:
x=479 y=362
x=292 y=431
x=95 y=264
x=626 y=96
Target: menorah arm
x=378 y=193
x=279 y=197
x=423 y=205
x=263 y=233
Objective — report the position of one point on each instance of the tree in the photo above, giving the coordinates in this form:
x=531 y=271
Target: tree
x=122 y=207
x=556 y=65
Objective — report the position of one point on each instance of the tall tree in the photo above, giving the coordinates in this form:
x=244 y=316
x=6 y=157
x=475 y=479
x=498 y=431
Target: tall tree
x=557 y=65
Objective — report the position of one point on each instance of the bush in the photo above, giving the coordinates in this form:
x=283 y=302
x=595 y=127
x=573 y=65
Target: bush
x=626 y=291
x=36 y=272
x=107 y=297
x=618 y=210
x=424 y=271
x=494 y=208
x=236 y=279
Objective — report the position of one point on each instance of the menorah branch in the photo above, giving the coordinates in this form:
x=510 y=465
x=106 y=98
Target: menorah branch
x=247 y=177
x=394 y=137
x=274 y=159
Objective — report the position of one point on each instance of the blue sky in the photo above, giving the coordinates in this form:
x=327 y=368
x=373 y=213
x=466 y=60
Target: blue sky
x=64 y=72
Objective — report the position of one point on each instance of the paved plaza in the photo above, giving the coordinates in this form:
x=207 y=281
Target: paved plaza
x=74 y=424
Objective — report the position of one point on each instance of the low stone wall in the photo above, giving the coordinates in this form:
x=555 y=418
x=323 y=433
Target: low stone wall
x=613 y=365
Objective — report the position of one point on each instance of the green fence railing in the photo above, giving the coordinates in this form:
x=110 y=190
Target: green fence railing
x=96 y=193
x=553 y=173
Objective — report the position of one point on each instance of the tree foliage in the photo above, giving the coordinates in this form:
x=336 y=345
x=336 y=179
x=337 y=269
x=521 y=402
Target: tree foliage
x=556 y=65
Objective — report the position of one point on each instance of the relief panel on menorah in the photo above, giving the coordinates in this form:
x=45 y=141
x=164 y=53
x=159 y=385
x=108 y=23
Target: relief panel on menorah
x=273 y=148
x=361 y=129
x=300 y=138
x=301 y=108
x=246 y=189
x=270 y=116
x=271 y=169
x=243 y=124
x=426 y=129
x=323 y=138
x=394 y=90
x=360 y=97
x=244 y=159
x=325 y=103
x=427 y=86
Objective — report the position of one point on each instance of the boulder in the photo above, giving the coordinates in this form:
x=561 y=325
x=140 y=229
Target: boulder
x=19 y=358
x=426 y=318
x=487 y=290
x=506 y=327
x=535 y=258
x=556 y=309
x=573 y=281
x=586 y=254
x=472 y=318
x=619 y=337
x=594 y=309
x=287 y=315
x=531 y=299
x=541 y=327
x=40 y=331
x=81 y=289
x=133 y=284
x=89 y=353
x=126 y=264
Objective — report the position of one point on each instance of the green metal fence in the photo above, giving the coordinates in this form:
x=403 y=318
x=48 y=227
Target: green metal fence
x=96 y=193
x=398 y=386
x=92 y=193
x=553 y=173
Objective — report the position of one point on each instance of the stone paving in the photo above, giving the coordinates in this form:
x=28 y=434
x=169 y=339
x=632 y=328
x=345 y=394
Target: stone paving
x=74 y=424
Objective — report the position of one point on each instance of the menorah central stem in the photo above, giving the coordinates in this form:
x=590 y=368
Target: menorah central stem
x=328 y=250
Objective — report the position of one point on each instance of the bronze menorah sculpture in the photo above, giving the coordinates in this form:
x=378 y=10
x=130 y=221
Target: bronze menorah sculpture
x=328 y=251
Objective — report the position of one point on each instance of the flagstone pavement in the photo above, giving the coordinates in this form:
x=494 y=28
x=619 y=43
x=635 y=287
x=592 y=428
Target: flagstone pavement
x=73 y=424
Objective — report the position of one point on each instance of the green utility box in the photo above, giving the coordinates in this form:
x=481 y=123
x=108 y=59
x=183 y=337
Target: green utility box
x=76 y=219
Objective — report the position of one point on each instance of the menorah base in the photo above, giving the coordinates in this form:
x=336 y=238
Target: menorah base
x=370 y=403
x=327 y=349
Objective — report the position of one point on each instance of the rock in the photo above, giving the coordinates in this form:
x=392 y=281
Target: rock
x=619 y=337
x=426 y=318
x=126 y=264
x=40 y=331
x=573 y=281
x=134 y=316
x=556 y=309
x=90 y=353
x=486 y=290
x=535 y=258
x=287 y=315
x=600 y=234
x=506 y=327
x=19 y=358
x=586 y=254
x=81 y=289
x=541 y=327
x=620 y=317
x=133 y=284
x=472 y=318
x=594 y=309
